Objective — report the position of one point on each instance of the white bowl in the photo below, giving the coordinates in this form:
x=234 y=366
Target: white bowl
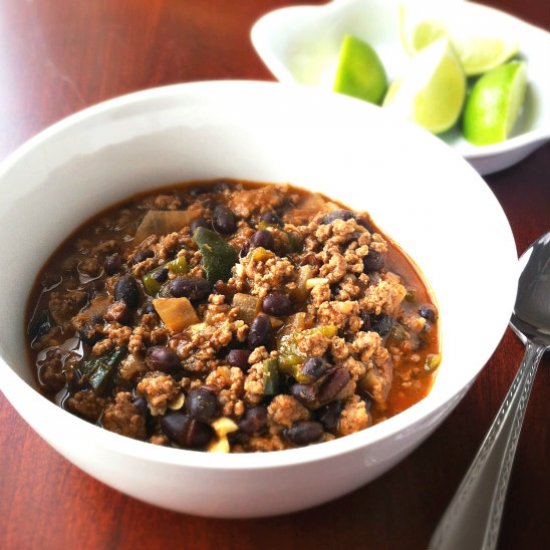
x=421 y=192
x=300 y=44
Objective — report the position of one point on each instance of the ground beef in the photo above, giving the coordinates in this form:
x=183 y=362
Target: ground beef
x=384 y=297
x=63 y=305
x=344 y=315
x=229 y=383
x=166 y=202
x=87 y=404
x=160 y=390
x=284 y=411
x=354 y=416
x=122 y=417
x=251 y=201
x=253 y=384
x=51 y=373
x=131 y=367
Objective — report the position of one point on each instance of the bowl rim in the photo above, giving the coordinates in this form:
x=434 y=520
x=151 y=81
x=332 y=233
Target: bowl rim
x=20 y=393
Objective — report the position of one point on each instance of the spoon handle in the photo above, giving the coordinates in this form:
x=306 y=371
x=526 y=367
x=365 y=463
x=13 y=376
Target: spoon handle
x=472 y=519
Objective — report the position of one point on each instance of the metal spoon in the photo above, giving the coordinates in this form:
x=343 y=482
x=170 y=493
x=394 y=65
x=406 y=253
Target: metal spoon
x=472 y=519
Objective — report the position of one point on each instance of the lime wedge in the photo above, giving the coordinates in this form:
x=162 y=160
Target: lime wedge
x=360 y=72
x=431 y=92
x=481 y=54
x=421 y=34
x=493 y=106
x=475 y=43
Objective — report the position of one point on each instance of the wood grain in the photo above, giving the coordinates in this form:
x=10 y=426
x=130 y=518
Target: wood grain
x=59 y=56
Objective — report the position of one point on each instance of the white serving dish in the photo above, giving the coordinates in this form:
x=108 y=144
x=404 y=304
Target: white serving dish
x=416 y=188
x=300 y=45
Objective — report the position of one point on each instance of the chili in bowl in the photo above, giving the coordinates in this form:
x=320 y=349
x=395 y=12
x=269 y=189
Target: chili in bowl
x=232 y=316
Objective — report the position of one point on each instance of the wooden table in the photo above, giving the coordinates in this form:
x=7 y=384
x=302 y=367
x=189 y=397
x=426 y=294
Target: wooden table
x=59 y=56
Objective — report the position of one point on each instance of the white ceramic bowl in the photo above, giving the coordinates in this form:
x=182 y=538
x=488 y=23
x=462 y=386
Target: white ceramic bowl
x=421 y=192
x=300 y=45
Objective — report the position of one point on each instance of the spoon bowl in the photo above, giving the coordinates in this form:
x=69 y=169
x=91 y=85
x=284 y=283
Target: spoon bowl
x=531 y=317
x=472 y=519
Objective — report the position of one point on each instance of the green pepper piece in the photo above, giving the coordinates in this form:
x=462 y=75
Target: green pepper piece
x=150 y=284
x=177 y=266
x=99 y=371
x=290 y=355
x=270 y=373
x=218 y=257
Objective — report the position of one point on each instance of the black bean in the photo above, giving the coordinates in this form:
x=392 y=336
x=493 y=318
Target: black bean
x=382 y=324
x=143 y=255
x=314 y=367
x=332 y=384
x=161 y=276
x=239 y=358
x=277 y=304
x=201 y=403
x=112 y=264
x=305 y=393
x=198 y=222
x=304 y=433
x=329 y=415
x=373 y=261
x=428 y=312
x=263 y=238
x=272 y=218
x=223 y=220
x=126 y=289
x=162 y=358
x=186 y=431
x=140 y=403
x=254 y=420
x=261 y=332
x=194 y=288
x=337 y=215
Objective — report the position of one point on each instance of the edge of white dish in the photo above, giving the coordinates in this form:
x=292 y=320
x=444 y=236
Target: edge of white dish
x=194 y=108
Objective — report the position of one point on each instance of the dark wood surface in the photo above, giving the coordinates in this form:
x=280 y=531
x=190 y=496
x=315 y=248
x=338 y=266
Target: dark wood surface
x=59 y=56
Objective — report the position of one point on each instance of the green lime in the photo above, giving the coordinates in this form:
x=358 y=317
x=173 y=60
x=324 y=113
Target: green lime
x=360 y=72
x=431 y=91
x=494 y=103
x=477 y=48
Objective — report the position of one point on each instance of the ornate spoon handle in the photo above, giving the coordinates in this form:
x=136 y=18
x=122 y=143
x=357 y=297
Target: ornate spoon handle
x=472 y=519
